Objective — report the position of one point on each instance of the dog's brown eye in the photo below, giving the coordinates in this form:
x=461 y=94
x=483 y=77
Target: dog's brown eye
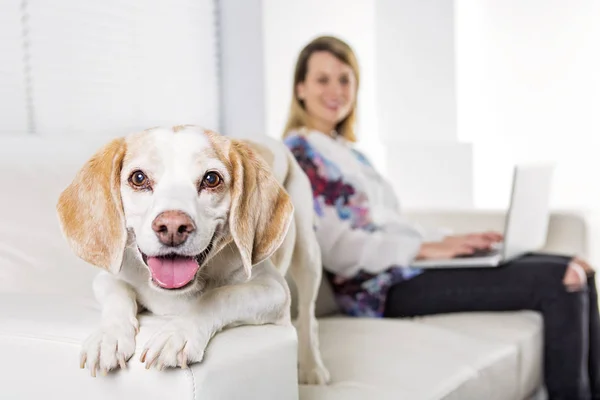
x=138 y=178
x=212 y=179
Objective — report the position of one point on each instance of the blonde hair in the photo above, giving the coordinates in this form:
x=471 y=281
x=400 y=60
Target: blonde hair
x=298 y=117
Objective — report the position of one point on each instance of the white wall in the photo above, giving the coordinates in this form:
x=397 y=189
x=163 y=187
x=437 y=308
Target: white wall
x=431 y=175
x=242 y=68
x=529 y=88
x=416 y=104
x=415 y=69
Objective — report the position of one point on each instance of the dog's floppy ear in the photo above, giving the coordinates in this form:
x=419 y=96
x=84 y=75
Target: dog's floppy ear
x=91 y=211
x=261 y=210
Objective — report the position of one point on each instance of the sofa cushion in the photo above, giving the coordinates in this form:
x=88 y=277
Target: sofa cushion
x=429 y=359
x=40 y=341
x=521 y=329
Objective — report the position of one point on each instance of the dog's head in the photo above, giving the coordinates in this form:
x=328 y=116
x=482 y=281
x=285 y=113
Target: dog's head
x=179 y=195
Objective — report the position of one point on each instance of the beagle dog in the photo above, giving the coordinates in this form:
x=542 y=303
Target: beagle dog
x=199 y=226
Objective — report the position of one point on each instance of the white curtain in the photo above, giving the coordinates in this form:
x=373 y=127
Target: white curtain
x=86 y=67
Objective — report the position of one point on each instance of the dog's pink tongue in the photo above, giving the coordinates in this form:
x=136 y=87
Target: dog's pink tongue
x=172 y=272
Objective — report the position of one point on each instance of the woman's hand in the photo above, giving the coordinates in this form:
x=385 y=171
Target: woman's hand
x=458 y=245
x=479 y=241
x=443 y=250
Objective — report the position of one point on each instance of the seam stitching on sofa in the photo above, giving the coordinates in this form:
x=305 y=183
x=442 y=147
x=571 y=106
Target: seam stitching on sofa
x=190 y=374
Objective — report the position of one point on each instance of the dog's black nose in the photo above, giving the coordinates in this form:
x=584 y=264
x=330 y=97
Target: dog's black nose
x=173 y=227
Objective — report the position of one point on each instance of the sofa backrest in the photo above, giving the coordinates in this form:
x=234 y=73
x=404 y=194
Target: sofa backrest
x=34 y=256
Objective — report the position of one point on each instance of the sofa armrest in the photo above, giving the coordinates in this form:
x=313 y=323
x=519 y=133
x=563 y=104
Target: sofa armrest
x=567 y=231
x=40 y=339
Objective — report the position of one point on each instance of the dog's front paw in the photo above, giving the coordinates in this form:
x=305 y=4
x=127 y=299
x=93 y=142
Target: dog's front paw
x=110 y=346
x=178 y=343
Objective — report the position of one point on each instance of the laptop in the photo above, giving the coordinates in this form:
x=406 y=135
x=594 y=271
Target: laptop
x=526 y=225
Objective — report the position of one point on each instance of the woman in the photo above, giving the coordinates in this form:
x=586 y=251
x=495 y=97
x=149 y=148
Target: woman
x=367 y=247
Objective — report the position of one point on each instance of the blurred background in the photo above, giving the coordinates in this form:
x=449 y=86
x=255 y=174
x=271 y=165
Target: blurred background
x=453 y=92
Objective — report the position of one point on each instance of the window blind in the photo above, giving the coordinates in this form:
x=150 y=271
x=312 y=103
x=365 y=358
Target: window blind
x=13 y=93
x=114 y=66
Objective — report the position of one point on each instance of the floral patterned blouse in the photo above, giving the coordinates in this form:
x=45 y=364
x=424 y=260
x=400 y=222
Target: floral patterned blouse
x=366 y=245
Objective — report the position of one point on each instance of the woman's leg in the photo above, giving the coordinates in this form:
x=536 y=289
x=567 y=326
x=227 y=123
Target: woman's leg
x=533 y=282
x=594 y=334
x=583 y=272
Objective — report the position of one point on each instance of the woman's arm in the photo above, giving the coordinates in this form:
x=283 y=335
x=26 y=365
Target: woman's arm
x=346 y=251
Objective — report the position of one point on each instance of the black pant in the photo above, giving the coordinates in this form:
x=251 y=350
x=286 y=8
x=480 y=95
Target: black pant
x=534 y=282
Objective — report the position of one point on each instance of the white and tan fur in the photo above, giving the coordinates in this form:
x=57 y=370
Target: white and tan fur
x=260 y=220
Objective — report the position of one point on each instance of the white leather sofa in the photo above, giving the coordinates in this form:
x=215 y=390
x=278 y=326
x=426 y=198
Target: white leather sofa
x=47 y=309
x=466 y=356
